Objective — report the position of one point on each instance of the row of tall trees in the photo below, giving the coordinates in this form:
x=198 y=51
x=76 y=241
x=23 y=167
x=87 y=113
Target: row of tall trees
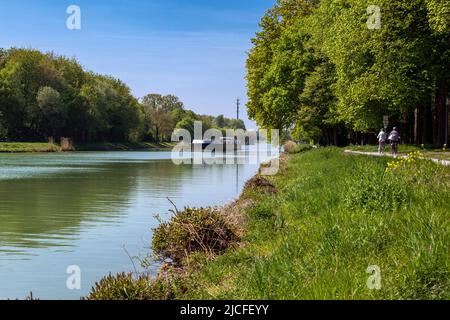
x=164 y=114
x=44 y=95
x=324 y=68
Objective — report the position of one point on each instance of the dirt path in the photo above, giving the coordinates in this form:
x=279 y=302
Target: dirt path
x=376 y=154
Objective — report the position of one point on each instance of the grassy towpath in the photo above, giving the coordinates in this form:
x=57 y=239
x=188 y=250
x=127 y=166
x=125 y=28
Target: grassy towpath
x=317 y=230
x=404 y=149
x=334 y=215
x=377 y=154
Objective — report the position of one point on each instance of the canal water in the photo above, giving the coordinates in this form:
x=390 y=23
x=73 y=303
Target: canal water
x=93 y=210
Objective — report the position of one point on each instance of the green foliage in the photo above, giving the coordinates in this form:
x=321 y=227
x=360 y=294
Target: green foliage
x=187 y=124
x=191 y=231
x=278 y=65
x=159 y=122
x=260 y=184
x=3 y=130
x=44 y=94
x=234 y=124
x=15 y=147
x=439 y=15
x=302 y=148
x=306 y=242
x=52 y=111
x=315 y=65
x=308 y=125
x=167 y=103
x=220 y=121
x=127 y=287
x=375 y=191
x=164 y=114
x=333 y=215
x=291 y=147
x=383 y=71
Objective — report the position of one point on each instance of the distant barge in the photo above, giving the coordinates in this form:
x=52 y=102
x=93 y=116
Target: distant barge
x=225 y=144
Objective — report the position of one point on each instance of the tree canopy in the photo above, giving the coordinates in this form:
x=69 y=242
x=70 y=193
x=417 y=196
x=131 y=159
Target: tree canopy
x=45 y=95
x=317 y=66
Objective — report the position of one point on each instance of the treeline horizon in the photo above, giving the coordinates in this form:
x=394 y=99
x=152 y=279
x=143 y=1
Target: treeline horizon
x=329 y=71
x=45 y=95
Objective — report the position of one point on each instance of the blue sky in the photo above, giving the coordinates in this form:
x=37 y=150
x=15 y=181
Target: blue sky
x=195 y=49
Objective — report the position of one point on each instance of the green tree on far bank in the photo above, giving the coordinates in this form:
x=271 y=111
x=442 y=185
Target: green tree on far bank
x=53 y=113
x=44 y=95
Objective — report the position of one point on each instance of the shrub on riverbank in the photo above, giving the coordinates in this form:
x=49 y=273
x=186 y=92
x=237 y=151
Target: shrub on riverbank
x=187 y=241
x=289 y=146
x=125 y=286
x=202 y=230
x=299 y=148
x=261 y=184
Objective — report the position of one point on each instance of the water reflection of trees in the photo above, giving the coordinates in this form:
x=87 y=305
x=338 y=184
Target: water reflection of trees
x=48 y=210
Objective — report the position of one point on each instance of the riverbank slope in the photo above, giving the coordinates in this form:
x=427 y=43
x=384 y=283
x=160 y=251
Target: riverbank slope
x=23 y=147
x=328 y=226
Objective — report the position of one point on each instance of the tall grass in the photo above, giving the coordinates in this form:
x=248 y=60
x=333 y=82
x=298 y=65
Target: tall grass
x=13 y=147
x=330 y=216
x=334 y=216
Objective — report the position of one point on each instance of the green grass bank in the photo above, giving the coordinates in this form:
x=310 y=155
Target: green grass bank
x=22 y=147
x=19 y=147
x=311 y=232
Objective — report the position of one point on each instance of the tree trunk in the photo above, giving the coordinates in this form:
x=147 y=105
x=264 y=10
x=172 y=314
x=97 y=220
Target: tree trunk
x=427 y=130
x=416 y=126
x=411 y=127
x=435 y=124
x=441 y=112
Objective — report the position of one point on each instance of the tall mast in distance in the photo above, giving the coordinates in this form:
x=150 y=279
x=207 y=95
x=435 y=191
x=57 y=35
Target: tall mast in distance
x=238 y=104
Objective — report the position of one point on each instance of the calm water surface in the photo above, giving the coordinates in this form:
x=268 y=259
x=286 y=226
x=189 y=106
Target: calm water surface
x=90 y=209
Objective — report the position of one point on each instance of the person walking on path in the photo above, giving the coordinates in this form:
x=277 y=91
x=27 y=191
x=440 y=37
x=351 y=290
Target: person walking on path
x=382 y=136
x=394 y=138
